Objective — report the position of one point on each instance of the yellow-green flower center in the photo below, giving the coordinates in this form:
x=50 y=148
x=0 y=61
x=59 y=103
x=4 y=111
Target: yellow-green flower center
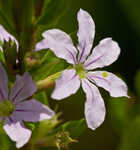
x=6 y=108
x=80 y=70
x=104 y=74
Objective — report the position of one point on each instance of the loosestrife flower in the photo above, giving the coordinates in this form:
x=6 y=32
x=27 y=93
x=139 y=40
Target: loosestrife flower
x=14 y=109
x=83 y=61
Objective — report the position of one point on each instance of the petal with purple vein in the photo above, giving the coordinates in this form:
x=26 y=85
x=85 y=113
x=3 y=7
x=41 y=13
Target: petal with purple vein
x=24 y=87
x=103 y=54
x=61 y=44
x=94 y=106
x=66 y=85
x=85 y=34
x=110 y=82
x=33 y=111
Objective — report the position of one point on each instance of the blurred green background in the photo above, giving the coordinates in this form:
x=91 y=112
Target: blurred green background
x=120 y=20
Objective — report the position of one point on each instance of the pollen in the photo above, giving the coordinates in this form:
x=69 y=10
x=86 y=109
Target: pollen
x=104 y=74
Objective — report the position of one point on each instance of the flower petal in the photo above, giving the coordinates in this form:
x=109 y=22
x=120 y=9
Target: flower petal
x=3 y=83
x=17 y=132
x=41 y=45
x=61 y=44
x=23 y=88
x=110 y=82
x=94 y=106
x=85 y=34
x=4 y=35
x=104 y=54
x=66 y=85
x=33 y=111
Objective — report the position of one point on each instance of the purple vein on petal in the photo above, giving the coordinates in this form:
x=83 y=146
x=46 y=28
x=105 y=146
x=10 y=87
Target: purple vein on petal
x=72 y=77
x=23 y=110
x=10 y=119
x=71 y=55
x=18 y=93
x=1 y=94
x=94 y=61
x=83 y=49
x=89 y=88
x=94 y=76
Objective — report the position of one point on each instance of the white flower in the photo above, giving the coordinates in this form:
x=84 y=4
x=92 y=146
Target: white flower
x=103 y=55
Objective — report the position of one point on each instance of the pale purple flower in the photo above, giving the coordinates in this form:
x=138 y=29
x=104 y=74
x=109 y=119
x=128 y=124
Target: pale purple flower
x=14 y=109
x=5 y=36
x=83 y=60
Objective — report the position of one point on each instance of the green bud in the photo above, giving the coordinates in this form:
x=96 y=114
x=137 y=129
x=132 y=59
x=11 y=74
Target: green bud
x=6 y=108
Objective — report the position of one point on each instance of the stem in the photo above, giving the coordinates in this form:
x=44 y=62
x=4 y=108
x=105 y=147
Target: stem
x=38 y=8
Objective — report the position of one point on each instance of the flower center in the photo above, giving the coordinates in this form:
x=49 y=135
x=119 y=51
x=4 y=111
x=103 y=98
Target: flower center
x=6 y=108
x=80 y=70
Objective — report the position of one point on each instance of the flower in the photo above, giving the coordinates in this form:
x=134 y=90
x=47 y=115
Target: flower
x=5 y=36
x=83 y=62
x=14 y=109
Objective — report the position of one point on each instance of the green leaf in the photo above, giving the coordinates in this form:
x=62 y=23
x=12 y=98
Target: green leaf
x=6 y=17
x=75 y=128
x=29 y=125
x=4 y=141
x=23 y=14
x=49 y=65
x=130 y=140
x=42 y=97
x=52 y=11
x=2 y=59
